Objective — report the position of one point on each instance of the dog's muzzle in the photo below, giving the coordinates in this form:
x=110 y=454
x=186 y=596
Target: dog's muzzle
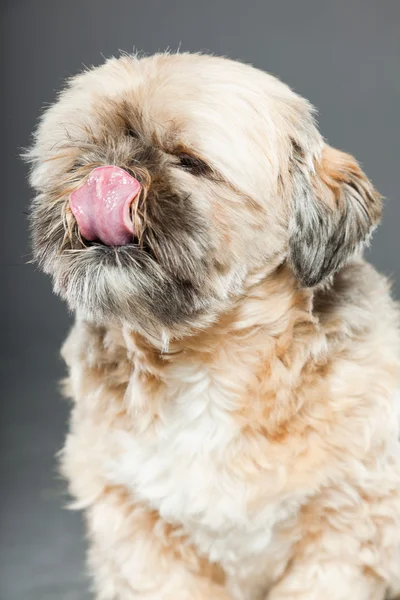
x=102 y=206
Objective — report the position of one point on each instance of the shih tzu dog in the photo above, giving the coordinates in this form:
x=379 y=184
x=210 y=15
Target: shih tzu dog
x=234 y=361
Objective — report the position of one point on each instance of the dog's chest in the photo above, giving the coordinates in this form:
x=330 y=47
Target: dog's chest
x=190 y=465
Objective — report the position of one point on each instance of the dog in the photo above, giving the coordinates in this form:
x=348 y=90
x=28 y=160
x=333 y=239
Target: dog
x=234 y=362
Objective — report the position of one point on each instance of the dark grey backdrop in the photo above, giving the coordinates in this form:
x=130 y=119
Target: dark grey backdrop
x=342 y=55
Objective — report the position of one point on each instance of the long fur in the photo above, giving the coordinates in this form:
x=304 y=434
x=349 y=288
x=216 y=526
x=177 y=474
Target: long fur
x=234 y=370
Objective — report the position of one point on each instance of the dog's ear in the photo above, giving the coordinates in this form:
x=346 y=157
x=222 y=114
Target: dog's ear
x=334 y=208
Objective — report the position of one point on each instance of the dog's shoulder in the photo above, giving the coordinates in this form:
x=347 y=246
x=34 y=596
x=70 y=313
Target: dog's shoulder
x=357 y=302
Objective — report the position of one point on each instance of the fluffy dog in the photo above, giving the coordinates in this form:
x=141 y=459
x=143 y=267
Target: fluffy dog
x=234 y=361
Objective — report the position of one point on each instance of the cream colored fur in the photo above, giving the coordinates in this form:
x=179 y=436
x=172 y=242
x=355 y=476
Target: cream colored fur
x=253 y=454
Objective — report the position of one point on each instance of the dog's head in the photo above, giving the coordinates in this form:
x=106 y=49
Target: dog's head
x=164 y=183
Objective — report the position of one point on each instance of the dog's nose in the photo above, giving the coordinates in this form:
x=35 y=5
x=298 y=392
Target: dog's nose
x=102 y=206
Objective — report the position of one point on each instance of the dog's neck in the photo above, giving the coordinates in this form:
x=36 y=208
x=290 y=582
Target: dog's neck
x=260 y=349
x=272 y=305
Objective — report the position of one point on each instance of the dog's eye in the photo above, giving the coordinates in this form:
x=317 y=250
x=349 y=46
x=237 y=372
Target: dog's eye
x=129 y=132
x=193 y=164
x=77 y=164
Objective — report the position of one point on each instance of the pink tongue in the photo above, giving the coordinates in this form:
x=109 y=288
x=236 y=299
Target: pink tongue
x=101 y=206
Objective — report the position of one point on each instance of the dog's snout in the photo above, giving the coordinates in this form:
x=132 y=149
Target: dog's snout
x=102 y=206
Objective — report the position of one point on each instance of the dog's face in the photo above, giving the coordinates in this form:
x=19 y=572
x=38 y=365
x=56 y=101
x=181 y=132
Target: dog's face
x=225 y=177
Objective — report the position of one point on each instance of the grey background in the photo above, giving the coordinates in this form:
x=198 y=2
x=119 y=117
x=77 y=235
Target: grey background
x=343 y=56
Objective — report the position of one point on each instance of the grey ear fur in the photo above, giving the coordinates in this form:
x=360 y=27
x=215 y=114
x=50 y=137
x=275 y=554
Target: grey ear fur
x=333 y=211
